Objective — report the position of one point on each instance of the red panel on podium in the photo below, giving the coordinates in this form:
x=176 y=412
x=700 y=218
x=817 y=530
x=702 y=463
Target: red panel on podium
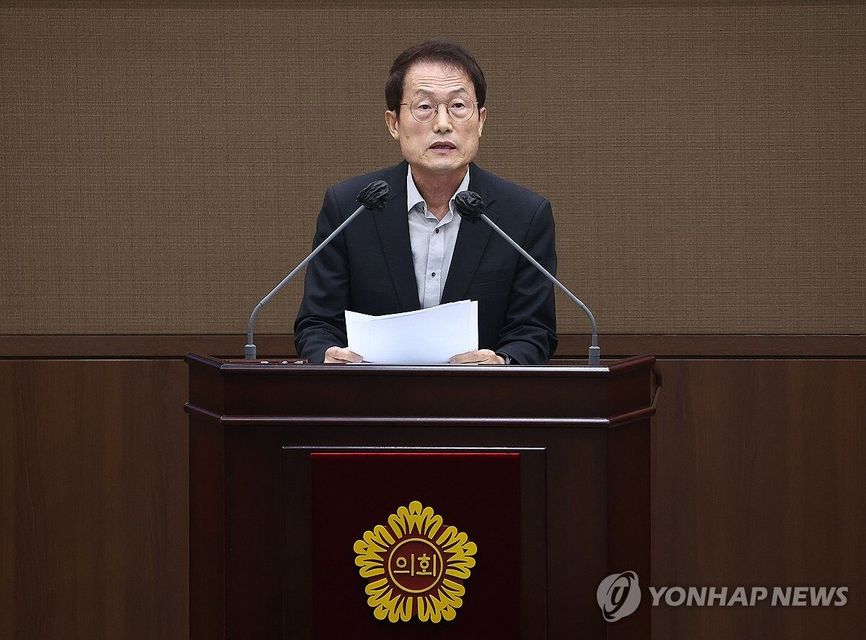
x=477 y=493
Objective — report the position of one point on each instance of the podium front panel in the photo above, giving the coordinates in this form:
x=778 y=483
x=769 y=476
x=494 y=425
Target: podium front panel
x=281 y=492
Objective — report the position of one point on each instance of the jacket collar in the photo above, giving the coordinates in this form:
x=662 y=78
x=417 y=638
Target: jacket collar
x=471 y=240
x=392 y=224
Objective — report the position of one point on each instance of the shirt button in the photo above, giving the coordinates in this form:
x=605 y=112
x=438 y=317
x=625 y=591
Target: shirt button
x=437 y=230
x=433 y=275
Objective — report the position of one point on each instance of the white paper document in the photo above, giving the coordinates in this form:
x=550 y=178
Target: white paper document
x=428 y=336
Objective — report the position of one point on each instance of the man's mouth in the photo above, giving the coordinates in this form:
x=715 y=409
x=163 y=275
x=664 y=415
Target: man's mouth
x=443 y=145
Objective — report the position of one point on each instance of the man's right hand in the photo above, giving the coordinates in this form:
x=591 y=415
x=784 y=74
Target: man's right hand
x=341 y=355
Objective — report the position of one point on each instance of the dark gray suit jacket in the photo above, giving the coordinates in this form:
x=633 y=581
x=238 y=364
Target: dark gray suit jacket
x=369 y=268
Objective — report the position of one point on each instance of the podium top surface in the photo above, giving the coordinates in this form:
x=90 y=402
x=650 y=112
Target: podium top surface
x=291 y=366
x=246 y=392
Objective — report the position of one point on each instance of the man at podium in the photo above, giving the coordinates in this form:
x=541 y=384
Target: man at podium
x=418 y=252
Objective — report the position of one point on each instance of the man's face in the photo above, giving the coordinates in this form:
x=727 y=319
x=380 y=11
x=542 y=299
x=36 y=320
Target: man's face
x=440 y=146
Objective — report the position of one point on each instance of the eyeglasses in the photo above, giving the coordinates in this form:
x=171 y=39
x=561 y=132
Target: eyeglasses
x=425 y=109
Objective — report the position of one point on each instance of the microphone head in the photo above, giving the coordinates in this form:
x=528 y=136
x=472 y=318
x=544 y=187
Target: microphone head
x=469 y=205
x=375 y=195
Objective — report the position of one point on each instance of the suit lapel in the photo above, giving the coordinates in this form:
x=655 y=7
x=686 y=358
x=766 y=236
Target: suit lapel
x=471 y=241
x=392 y=224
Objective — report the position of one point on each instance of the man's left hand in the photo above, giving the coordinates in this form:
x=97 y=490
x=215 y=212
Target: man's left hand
x=482 y=356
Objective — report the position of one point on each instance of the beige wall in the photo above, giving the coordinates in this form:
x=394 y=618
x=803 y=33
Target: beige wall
x=162 y=165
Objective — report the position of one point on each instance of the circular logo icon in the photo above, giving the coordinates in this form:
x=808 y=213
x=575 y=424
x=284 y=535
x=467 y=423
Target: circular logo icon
x=618 y=595
x=415 y=565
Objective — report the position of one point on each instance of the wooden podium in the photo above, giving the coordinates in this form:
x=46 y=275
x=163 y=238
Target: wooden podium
x=546 y=470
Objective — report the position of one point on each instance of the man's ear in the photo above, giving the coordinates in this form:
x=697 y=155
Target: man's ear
x=482 y=118
x=392 y=122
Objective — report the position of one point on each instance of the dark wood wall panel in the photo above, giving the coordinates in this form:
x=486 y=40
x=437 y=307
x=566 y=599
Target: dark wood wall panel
x=571 y=346
x=95 y=499
x=757 y=479
x=8 y=505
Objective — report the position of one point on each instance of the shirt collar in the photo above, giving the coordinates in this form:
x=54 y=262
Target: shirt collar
x=413 y=196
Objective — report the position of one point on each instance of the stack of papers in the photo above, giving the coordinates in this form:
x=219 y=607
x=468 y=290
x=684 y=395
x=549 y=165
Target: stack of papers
x=428 y=336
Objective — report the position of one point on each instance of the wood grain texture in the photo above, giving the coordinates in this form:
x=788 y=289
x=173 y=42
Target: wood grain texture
x=8 y=505
x=98 y=497
x=757 y=478
x=282 y=407
x=571 y=346
x=759 y=469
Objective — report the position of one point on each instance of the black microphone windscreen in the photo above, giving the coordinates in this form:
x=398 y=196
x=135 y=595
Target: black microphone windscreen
x=375 y=195
x=469 y=205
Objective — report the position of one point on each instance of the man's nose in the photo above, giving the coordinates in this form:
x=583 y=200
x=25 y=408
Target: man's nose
x=442 y=121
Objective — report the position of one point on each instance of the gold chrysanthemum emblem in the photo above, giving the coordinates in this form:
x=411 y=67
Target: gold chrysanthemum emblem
x=415 y=567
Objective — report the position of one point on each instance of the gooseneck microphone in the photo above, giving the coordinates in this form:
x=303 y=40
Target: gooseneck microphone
x=471 y=207
x=373 y=197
